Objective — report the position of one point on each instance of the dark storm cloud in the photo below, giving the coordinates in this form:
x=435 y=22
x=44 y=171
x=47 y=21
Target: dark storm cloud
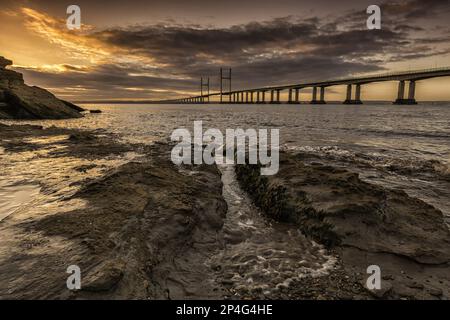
x=105 y=77
x=284 y=48
x=416 y=8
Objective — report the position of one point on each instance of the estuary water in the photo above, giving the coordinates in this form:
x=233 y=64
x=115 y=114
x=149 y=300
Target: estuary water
x=404 y=147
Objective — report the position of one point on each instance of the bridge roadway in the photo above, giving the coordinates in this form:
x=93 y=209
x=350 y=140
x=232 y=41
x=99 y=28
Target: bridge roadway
x=258 y=95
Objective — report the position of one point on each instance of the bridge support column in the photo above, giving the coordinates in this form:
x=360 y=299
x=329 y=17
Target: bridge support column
x=349 y=99
x=290 y=96
x=314 y=96
x=246 y=97
x=251 y=96
x=322 y=95
x=297 y=95
x=272 y=93
x=358 y=94
x=278 y=96
x=242 y=97
x=263 y=97
x=257 y=97
x=411 y=93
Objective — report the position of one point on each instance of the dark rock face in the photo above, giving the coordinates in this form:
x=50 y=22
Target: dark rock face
x=4 y=62
x=366 y=224
x=19 y=101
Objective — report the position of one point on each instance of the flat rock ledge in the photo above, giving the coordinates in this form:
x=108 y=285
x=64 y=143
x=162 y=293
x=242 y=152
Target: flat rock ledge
x=365 y=224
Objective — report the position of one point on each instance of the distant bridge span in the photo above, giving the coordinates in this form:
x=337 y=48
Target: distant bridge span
x=258 y=95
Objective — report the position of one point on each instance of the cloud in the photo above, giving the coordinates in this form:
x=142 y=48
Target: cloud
x=168 y=59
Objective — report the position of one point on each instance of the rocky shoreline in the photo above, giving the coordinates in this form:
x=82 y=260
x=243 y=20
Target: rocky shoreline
x=365 y=224
x=147 y=229
x=19 y=101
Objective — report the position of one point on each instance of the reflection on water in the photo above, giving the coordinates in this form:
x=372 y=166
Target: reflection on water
x=405 y=147
x=15 y=196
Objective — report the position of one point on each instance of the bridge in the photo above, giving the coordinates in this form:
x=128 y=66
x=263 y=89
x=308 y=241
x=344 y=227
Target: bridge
x=406 y=80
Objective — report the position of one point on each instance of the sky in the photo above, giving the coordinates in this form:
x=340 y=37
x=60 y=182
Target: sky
x=154 y=49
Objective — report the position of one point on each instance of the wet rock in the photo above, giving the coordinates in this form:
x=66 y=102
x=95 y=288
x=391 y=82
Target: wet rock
x=435 y=292
x=144 y=232
x=415 y=285
x=104 y=278
x=20 y=101
x=95 y=111
x=337 y=208
x=81 y=136
x=381 y=293
x=366 y=224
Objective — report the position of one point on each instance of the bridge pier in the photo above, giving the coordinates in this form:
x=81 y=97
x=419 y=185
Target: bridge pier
x=290 y=96
x=411 y=93
x=251 y=96
x=257 y=97
x=358 y=94
x=314 y=95
x=275 y=96
x=322 y=96
x=297 y=95
x=357 y=100
x=263 y=97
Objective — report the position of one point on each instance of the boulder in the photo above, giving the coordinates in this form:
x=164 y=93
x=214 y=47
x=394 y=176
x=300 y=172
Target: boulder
x=20 y=101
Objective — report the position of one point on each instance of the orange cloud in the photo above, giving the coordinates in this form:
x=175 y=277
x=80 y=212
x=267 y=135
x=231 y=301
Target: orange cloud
x=76 y=43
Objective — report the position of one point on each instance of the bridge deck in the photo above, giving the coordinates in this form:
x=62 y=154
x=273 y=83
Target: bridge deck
x=393 y=76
